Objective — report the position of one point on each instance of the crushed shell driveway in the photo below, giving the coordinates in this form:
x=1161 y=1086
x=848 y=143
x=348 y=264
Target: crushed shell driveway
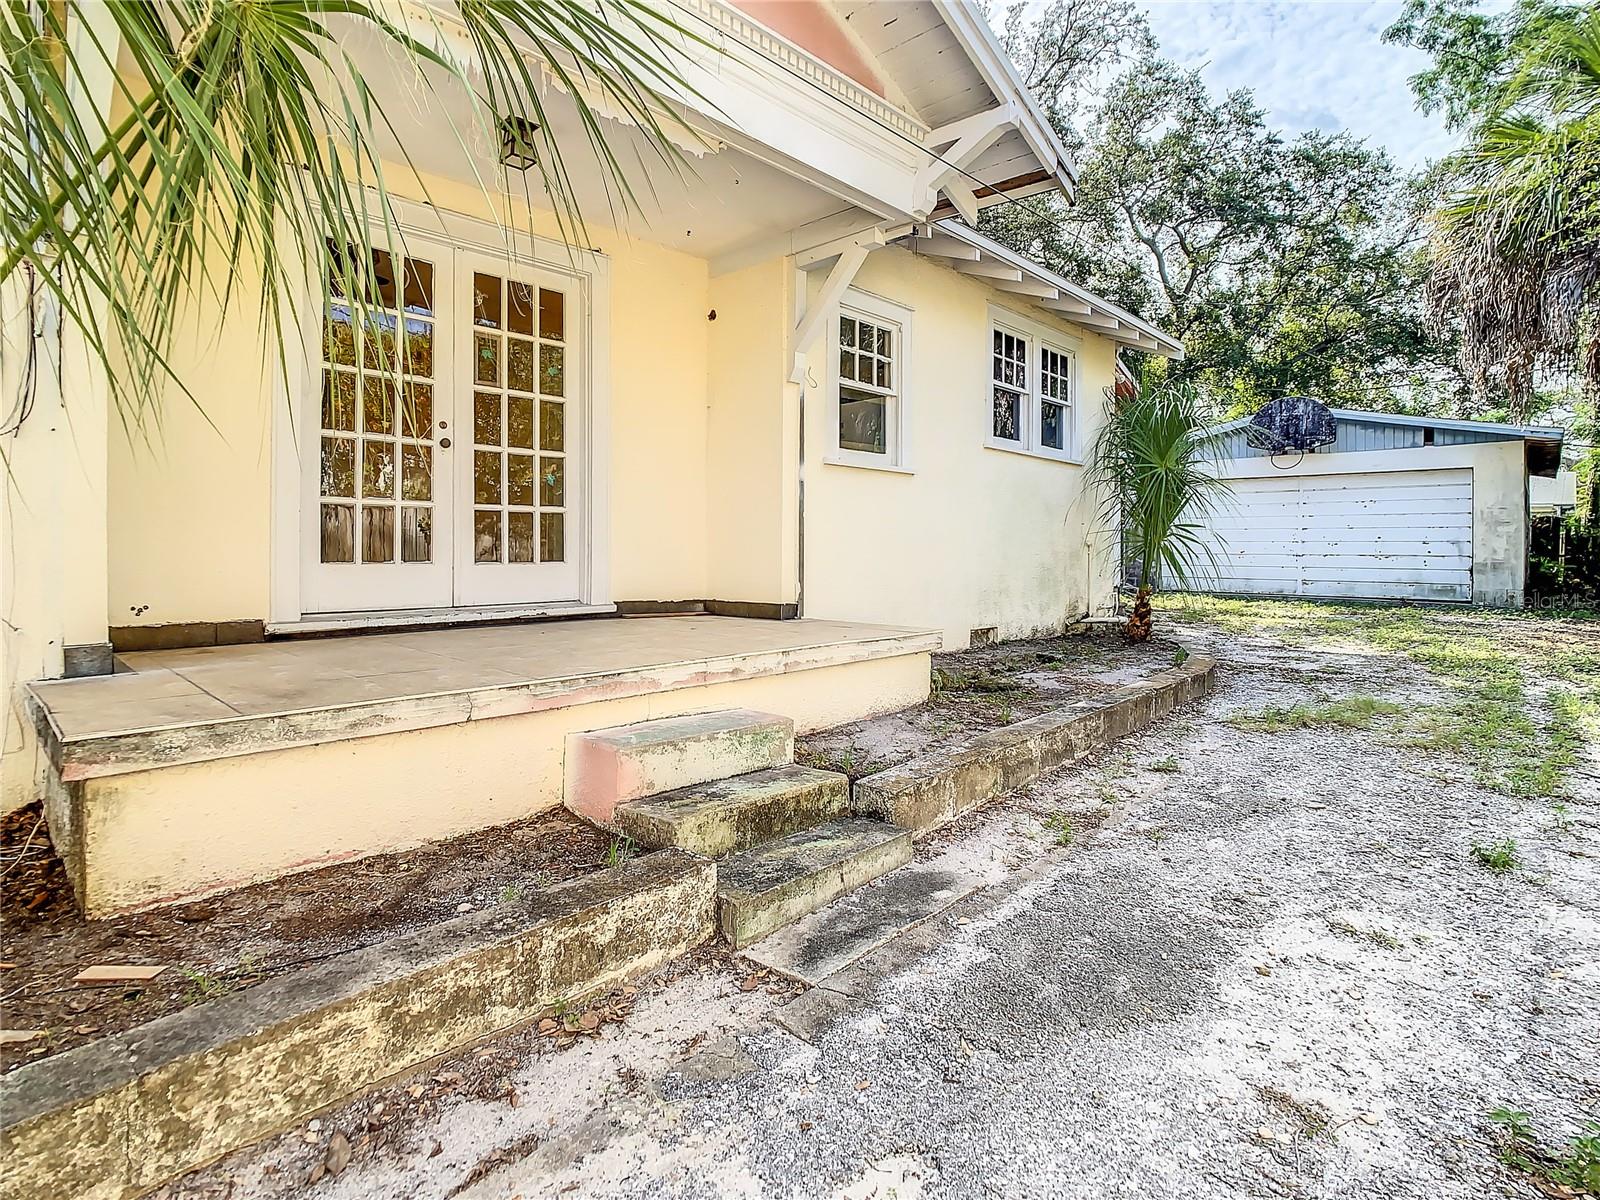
x=1274 y=971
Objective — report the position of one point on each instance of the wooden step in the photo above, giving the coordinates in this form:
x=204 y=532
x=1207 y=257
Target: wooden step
x=763 y=889
x=725 y=815
x=608 y=767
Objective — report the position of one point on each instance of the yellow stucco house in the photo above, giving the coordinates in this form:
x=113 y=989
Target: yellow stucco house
x=790 y=430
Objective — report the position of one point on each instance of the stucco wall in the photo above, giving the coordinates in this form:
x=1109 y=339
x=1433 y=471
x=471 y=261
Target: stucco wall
x=191 y=509
x=1499 y=502
x=973 y=537
x=750 y=463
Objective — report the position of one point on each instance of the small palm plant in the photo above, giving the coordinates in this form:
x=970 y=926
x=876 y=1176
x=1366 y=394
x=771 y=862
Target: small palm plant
x=241 y=137
x=1150 y=464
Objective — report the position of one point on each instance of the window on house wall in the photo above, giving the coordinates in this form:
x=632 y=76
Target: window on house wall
x=1010 y=385
x=1032 y=392
x=1055 y=399
x=869 y=389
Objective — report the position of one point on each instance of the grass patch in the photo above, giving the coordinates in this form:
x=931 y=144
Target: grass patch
x=1352 y=712
x=1518 y=741
x=1500 y=857
x=620 y=851
x=1377 y=937
x=1574 y=1168
x=1167 y=766
x=982 y=681
x=1060 y=826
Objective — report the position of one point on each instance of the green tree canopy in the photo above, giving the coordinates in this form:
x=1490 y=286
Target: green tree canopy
x=1287 y=265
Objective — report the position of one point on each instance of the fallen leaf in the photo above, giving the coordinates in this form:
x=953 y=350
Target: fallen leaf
x=438 y=1149
x=548 y=1026
x=750 y=984
x=338 y=1156
x=1261 y=970
x=10 y=1037
x=589 y=1020
x=1266 y=1135
x=863 y=1085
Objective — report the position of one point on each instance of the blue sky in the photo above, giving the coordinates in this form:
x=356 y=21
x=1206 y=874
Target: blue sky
x=1311 y=63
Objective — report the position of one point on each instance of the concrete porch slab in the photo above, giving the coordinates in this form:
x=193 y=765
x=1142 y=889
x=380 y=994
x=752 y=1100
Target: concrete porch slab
x=196 y=705
x=152 y=802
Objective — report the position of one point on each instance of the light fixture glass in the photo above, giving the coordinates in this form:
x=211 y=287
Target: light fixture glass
x=518 y=150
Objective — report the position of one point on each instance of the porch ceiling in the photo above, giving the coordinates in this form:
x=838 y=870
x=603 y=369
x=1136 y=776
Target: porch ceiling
x=712 y=199
x=177 y=706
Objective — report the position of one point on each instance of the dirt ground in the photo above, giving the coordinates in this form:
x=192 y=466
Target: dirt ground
x=1304 y=938
x=243 y=937
x=985 y=688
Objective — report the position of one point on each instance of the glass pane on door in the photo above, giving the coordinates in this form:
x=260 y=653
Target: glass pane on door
x=519 y=412
x=377 y=490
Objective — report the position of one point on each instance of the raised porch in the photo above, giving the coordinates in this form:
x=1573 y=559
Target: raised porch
x=193 y=771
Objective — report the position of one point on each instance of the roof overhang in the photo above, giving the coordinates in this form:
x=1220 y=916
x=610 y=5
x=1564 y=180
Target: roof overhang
x=971 y=253
x=971 y=29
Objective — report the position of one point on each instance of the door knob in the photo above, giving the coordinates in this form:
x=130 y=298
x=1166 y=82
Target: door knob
x=444 y=443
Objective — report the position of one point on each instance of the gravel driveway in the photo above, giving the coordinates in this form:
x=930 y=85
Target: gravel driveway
x=1273 y=965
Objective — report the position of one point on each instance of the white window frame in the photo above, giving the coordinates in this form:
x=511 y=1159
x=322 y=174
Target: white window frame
x=1036 y=338
x=876 y=310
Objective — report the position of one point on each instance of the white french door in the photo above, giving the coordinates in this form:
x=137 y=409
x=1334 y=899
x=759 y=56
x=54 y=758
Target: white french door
x=446 y=468
x=517 y=529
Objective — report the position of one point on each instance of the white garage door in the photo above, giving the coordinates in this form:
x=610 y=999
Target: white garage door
x=1401 y=535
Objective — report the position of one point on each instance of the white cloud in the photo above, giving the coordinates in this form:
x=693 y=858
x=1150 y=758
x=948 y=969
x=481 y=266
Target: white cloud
x=1312 y=64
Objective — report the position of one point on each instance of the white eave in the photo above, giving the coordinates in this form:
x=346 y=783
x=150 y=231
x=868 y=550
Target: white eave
x=971 y=28
x=971 y=253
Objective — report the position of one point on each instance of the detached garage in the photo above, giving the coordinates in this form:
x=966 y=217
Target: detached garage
x=1394 y=508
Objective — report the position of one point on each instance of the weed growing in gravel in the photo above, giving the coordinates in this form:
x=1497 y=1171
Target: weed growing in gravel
x=1563 y=817
x=1352 y=712
x=1313 y=1118
x=619 y=851
x=204 y=986
x=1377 y=937
x=1180 y=656
x=1061 y=825
x=1501 y=857
x=1167 y=766
x=1575 y=1169
x=510 y=894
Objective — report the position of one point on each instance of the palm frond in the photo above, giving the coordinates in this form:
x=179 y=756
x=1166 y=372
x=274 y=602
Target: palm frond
x=1153 y=468
x=245 y=140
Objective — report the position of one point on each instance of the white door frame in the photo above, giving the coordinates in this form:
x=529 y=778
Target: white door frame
x=299 y=374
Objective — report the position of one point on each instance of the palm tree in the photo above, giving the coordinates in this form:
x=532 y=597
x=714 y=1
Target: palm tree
x=1150 y=465
x=1516 y=243
x=244 y=135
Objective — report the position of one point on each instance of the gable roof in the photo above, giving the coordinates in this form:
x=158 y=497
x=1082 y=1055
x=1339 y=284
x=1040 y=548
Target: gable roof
x=950 y=71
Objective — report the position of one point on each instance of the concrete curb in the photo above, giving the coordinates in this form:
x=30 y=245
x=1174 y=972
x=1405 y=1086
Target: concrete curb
x=931 y=791
x=119 y=1117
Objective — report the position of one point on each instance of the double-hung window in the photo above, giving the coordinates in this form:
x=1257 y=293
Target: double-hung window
x=1055 y=400
x=869 y=386
x=1010 y=386
x=1033 y=382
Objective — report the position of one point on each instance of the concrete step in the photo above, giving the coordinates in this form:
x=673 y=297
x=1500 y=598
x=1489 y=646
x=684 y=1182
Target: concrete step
x=765 y=888
x=608 y=767
x=725 y=815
